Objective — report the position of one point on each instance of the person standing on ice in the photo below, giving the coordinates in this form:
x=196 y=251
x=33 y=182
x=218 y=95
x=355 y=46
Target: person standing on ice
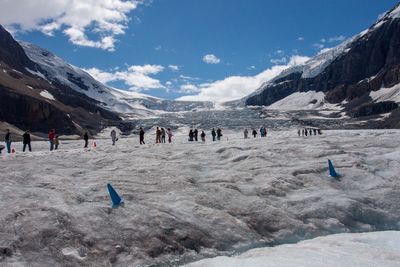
x=191 y=134
x=219 y=134
x=298 y=132
x=254 y=133
x=7 y=139
x=158 y=135
x=26 y=140
x=262 y=131
x=213 y=134
x=113 y=135
x=56 y=142
x=203 y=136
x=195 y=134
x=141 y=136
x=162 y=135
x=86 y=138
x=246 y=133
x=51 y=136
x=169 y=133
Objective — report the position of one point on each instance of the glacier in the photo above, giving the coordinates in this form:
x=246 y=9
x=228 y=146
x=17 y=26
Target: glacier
x=185 y=202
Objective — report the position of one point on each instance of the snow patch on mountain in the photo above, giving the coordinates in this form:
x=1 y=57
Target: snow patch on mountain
x=303 y=101
x=387 y=94
x=47 y=95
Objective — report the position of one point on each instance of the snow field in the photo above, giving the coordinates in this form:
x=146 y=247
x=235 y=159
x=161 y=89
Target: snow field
x=185 y=202
x=341 y=250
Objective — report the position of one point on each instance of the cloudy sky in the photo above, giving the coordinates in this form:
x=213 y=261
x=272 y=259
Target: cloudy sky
x=188 y=49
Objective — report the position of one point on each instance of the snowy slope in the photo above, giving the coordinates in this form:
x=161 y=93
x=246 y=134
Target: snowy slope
x=129 y=103
x=342 y=250
x=185 y=202
x=387 y=94
x=316 y=66
x=310 y=100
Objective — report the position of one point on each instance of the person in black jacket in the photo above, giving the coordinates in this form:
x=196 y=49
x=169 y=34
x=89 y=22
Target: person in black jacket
x=26 y=141
x=141 y=136
x=254 y=133
x=213 y=134
x=8 y=141
x=86 y=138
x=195 y=134
x=191 y=135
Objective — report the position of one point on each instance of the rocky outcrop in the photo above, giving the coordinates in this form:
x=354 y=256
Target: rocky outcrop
x=367 y=63
x=29 y=101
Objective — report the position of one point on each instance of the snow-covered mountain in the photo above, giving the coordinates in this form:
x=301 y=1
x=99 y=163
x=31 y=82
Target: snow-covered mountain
x=40 y=91
x=131 y=104
x=347 y=77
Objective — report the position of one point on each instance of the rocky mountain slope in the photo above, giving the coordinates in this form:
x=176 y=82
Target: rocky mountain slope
x=40 y=91
x=29 y=101
x=360 y=76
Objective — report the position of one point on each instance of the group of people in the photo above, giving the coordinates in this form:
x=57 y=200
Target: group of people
x=161 y=134
x=263 y=132
x=216 y=135
x=309 y=131
x=26 y=141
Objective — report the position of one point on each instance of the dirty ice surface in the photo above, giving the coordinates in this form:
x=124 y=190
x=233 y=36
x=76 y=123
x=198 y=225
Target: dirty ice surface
x=341 y=250
x=189 y=201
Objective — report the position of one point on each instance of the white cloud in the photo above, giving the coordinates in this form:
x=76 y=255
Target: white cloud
x=279 y=61
x=137 y=77
x=188 y=88
x=319 y=46
x=339 y=38
x=211 y=59
x=103 y=19
x=251 y=67
x=173 y=67
x=235 y=87
x=300 y=38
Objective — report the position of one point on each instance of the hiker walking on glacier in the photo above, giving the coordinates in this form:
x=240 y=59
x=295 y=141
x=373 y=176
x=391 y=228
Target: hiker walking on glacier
x=219 y=134
x=114 y=138
x=162 y=135
x=203 y=136
x=86 y=139
x=141 y=136
x=51 y=136
x=26 y=141
x=254 y=133
x=7 y=139
x=213 y=134
x=169 y=133
x=158 y=135
x=191 y=135
x=246 y=133
x=195 y=134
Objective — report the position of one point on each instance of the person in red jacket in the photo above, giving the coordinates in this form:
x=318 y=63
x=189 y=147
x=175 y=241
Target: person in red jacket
x=52 y=135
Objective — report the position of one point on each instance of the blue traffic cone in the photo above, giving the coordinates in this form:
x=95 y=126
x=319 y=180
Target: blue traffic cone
x=115 y=198
x=332 y=171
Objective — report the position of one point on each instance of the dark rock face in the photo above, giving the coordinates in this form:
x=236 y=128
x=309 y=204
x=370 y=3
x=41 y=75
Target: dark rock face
x=370 y=62
x=30 y=113
x=22 y=105
x=13 y=54
x=375 y=109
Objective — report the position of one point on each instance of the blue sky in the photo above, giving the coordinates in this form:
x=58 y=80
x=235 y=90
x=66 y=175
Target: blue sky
x=166 y=41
